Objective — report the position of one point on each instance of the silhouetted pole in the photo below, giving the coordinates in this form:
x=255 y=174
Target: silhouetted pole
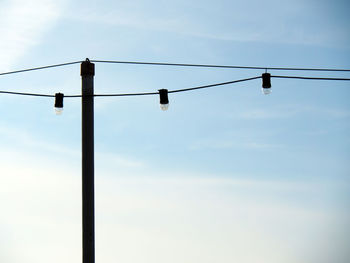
x=87 y=74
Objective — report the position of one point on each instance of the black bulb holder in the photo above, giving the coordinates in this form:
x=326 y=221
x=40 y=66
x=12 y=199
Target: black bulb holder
x=163 y=96
x=266 y=80
x=59 y=100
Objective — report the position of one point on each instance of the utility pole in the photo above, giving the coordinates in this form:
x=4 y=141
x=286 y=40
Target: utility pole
x=87 y=73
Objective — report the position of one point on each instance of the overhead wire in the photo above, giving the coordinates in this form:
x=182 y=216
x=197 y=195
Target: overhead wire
x=217 y=66
x=26 y=94
x=39 y=68
x=309 y=78
x=214 y=85
x=174 y=91
x=174 y=64
x=179 y=65
x=126 y=94
x=132 y=94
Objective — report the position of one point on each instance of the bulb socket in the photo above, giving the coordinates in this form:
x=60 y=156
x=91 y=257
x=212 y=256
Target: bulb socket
x=266 y=80
x=163 y=96
x=59 y=100
x=87 y=68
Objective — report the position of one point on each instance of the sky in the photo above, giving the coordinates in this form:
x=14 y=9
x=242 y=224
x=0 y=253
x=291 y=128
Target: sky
x=227 y=174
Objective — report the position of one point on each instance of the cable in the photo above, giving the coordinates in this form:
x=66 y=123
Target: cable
x=77 y=96
x=126 y=94
x=213 y=85
x=178 y=65
x=179 y=90
x=217 y=66
x=309 y=78
x=173 y=91
x=38 y=68
x=131 y=94
x=26 y=94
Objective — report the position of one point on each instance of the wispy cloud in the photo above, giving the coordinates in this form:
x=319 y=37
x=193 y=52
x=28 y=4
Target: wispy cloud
x=191 y=19
x=250 y=215
x=201 y=215
x=256 y=114
x=289 y=111
x=221 y=144
x=23 y=24
x=27 y=142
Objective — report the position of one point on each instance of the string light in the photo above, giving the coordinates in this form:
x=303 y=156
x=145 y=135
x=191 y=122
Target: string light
x=163 y=93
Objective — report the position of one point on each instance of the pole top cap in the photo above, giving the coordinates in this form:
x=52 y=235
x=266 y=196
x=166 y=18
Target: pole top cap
x=87 y=68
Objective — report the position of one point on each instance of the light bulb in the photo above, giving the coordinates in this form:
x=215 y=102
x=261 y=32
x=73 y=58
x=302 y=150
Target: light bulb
x=164 y=107
x=266 y=91
x=58 y=111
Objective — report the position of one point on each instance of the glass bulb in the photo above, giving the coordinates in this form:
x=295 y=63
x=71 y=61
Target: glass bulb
x=266 y=91
x=58 y=111
x=164 y=107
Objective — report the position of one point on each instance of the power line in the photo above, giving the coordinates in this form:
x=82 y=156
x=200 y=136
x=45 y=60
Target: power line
x=26 y=94
x=218 y=66
x=39 y=68
x=179 y=90
x=131 y=94
x=179 y=65
x=174 y=91
x=214 y=85
x=309 y=78
x=126 y=94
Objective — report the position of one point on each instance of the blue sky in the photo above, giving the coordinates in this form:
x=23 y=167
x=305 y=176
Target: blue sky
x=225 y=175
